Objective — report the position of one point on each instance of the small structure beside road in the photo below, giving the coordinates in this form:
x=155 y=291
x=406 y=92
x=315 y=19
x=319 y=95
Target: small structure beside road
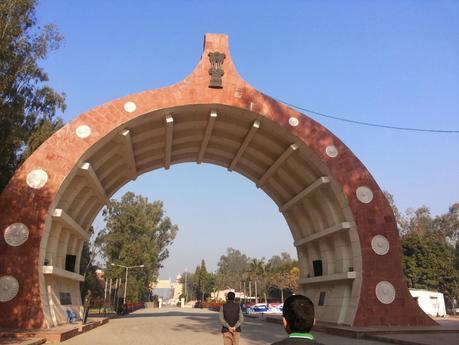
x=431 y=302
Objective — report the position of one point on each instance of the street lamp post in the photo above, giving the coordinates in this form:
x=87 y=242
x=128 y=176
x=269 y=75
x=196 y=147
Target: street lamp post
x=125 y=282
x=186 y=290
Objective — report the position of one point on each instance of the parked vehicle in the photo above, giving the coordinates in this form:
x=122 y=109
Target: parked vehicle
x=431 y=302
x=275 y=308
x=246 y=306
x=258 y=308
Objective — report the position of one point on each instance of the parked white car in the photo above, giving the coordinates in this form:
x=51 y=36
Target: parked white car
x=275 y=309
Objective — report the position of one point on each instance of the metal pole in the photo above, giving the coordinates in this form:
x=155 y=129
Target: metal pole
x=125 y=286
x=186 y=290
x=115 y=281
x=105 y=295
x=118 y=281
x=250 y=291
x=110 y=293
x=105 y=290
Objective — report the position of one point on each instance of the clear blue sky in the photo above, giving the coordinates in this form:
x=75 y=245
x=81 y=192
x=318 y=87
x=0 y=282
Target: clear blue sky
x=390 y=62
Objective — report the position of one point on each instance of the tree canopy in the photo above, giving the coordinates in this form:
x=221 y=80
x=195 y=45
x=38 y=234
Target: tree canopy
x=279 y=273
x=88 y=267
x=430 y=249
x=231 y=267
x=136 y=233
x=428 y=263
x=203 y=282
x=28 y=106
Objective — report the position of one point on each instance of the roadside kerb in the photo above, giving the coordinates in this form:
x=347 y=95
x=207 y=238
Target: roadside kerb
x=52 y=335
x=375 y=333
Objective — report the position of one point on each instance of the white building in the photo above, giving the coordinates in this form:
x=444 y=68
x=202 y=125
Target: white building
x=220 y=295
x=431 y=302
x=167 y=289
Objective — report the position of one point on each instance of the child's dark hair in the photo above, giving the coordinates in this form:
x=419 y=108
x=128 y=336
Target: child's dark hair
x=298 y=310
x=231 y=296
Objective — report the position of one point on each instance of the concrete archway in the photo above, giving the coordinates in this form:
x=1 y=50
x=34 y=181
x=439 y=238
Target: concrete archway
x=335 y=210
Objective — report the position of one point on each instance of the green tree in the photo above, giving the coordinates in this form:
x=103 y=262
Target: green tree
x=448 y=224
x=282 y=262
x=195 y=283
x=428 y=245
x=203 y=282
x=259 y=274
x=456 y=257
x=187 y=279
x=428 y=263
x=294 y=279
x=27 y=105
x=88 y=267
x=43 y=130
x=418 y=221
x=136 y=233
x=282 y=274
x=231 y=268
x=398 y=216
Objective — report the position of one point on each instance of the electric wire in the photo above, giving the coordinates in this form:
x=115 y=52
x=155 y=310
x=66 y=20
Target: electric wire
x=370 y=124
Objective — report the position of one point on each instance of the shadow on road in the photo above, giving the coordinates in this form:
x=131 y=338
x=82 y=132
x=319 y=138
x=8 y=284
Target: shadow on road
x=168 y=314
x=253 y=330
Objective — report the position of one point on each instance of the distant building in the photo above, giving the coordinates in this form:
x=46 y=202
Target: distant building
x=100 y=274
x=221 y=295
x=431 y=302
x=167 y=289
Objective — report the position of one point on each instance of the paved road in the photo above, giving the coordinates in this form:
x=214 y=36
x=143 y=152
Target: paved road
x=188 y=327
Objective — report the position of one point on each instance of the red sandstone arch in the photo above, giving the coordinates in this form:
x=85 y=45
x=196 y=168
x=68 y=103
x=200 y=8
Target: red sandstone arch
x=306 y=170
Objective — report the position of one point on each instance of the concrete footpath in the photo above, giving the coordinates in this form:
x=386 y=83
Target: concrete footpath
x=446 y=333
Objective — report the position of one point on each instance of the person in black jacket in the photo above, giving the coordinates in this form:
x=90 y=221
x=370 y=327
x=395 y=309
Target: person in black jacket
x=298 y=319
x=231 y=319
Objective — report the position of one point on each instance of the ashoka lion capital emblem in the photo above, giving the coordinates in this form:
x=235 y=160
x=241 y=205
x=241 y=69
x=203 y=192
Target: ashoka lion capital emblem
x=216 y=72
